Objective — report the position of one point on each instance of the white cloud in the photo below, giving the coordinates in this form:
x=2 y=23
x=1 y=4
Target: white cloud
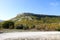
x=54 y=4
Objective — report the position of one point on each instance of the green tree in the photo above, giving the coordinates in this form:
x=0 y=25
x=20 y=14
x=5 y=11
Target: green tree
x=8 y=24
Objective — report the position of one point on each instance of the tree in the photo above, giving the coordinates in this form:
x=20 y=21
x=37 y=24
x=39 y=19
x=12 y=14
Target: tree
x=0 y=26
x=8 y=24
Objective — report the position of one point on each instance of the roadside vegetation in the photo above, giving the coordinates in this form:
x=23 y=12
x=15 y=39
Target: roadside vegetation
x=35 y=24
x=46 y=23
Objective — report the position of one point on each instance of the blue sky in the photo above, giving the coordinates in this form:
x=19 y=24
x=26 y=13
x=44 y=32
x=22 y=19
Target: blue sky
x=10 y=8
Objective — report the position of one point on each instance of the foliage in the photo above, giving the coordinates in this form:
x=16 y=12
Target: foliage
x=8 y=24
x=33 y=21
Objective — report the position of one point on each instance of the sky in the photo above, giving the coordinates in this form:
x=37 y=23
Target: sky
x=10 y=8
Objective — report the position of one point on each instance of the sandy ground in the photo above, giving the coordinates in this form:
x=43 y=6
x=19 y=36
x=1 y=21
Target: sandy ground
x=30 y=36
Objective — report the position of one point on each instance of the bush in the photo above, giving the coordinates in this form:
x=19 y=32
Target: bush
x=25 y=27
x=57 y=29
x=8 y=24
x=19 y=27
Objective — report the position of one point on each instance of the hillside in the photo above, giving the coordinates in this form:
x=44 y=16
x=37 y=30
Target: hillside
x=31 y=21
x=32 y=16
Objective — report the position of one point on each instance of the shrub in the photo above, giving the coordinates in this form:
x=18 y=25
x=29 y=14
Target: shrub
x=8 y=24
x=19 y=27
x=25 y=27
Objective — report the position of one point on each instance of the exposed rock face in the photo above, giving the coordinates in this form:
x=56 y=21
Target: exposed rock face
x=24 y=16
